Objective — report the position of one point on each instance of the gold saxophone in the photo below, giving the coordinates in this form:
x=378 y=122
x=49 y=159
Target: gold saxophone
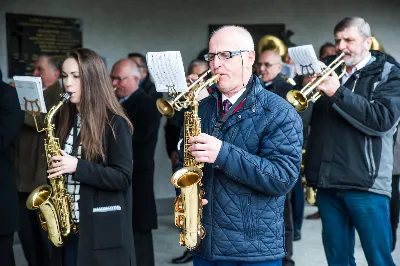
x=54 y=203
x=188 y=205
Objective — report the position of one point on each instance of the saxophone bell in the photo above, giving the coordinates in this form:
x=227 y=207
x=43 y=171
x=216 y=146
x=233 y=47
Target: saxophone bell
x=165 y=107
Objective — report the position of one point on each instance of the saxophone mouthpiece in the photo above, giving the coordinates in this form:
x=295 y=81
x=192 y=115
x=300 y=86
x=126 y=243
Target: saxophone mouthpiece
x=65 y=97
x=260 y=76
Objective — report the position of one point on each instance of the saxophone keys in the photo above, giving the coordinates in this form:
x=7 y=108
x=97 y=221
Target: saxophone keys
x=43 y=224
x=202 y=232
x=182 y=239
x=179 y=220
x=178 y=204
x=75 y=228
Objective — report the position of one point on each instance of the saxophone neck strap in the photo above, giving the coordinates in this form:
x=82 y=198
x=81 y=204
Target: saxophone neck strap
x=76 y=137
x=221 y=119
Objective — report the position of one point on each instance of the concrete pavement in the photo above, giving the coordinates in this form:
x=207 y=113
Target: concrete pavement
x=307 y=252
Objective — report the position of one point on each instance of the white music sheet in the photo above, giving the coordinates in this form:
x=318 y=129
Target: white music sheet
x=305 y=59
x=30 y=93
x=166 y=69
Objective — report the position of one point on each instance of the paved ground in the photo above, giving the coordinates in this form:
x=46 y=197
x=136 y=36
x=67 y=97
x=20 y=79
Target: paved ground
x=307 y=252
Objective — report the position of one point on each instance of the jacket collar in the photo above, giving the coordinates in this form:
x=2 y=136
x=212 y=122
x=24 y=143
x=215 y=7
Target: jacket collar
x=376 y=63
x=134 y=96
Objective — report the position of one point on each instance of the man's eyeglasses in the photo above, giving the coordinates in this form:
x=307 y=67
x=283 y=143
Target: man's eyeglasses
x=265 y=64
x=119 y=79
x=223 y=55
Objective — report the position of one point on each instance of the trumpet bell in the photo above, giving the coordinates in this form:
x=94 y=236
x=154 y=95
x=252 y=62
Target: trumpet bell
x=298 y=100
x=165 y=107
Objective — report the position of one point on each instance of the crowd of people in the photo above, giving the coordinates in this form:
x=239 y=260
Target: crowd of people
x=251 y=144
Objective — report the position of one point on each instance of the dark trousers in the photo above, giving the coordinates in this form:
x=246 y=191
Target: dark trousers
x=144 y=248
x=395 y=208
x=297 y=200
x=6 y=250
x=70 y=251
x=33 y=238
x=197 y=261
x=288 y=220
x=343 y=210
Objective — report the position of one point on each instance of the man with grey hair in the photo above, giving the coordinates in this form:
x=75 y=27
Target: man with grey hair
x=143 y=114
x=350 y=148
x=145 y=82
x=268 y=69
x=251 y=147
x=48 y=69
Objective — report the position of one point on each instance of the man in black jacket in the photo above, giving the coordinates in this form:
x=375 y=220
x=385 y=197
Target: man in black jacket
x=350 y=148
x=145 y=83
x=142 y=112
x=11 y=119
x=268 y=67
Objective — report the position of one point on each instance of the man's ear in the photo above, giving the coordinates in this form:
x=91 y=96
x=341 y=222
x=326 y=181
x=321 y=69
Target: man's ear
x=143 y=72
x=57 y=74
x=251 y=58
x=136 y=80
x=368 y=43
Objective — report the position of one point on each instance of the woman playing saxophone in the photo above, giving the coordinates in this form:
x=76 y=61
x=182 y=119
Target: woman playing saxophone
x=96 y=159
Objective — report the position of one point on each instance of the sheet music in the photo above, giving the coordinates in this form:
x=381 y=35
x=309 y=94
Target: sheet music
x=166 y=69
x=31 y=89
x=305 y=59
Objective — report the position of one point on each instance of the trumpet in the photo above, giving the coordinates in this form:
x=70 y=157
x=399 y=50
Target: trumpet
x=299 y=99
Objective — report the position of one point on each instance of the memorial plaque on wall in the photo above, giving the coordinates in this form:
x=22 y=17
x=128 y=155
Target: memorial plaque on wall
x=29 y=36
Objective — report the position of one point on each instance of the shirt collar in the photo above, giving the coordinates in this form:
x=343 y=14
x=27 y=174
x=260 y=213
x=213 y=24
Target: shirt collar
x=123 y=99
x=235 y=97
x=268 y=83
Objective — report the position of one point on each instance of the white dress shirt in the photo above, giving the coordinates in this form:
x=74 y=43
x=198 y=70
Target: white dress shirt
x=360 y=65
x=235 y=97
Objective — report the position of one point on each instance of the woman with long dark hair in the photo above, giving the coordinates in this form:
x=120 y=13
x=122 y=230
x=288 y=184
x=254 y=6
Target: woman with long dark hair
x=96 y=160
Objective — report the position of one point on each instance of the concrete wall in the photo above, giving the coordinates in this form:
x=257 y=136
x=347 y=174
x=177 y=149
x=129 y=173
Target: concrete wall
x=115 y=28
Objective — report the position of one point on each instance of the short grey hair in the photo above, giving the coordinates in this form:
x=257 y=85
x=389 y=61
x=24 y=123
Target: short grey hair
x=51 y=61
x=134 y=68
x=196 y=63
x=245 y=34
x=360 y=23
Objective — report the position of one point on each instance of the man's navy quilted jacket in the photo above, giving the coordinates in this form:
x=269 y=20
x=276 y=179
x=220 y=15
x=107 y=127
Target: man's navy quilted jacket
x=258 y=164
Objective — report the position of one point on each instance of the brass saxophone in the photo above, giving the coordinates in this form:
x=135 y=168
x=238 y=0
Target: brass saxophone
x=188 y=205
x=53 y=201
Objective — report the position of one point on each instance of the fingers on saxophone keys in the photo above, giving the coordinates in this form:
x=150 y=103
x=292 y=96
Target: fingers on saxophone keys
x=56 y=164
x=55 y=169
x=55 y=172
x=56 y=158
